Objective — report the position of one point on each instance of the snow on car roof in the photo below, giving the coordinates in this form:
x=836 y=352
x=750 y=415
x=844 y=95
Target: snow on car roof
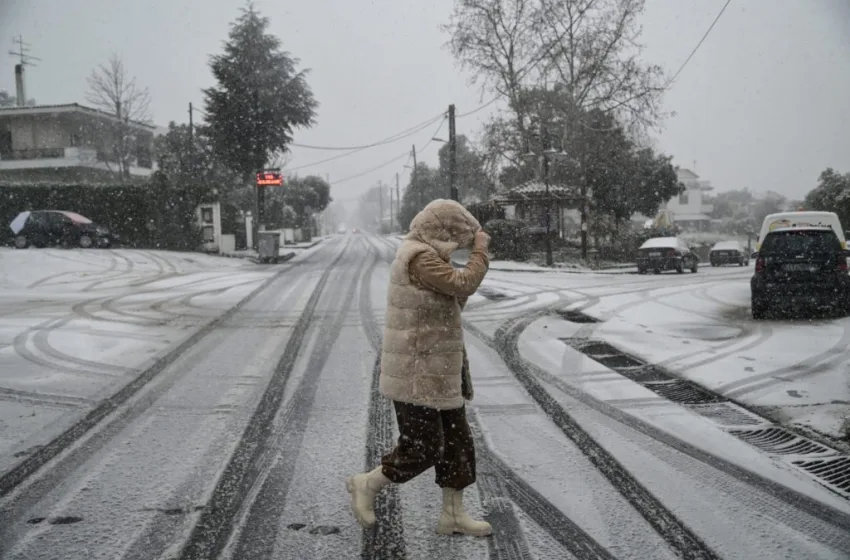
x=79 y=218
x=661 y=242
x=802 y=228
x=727 y=245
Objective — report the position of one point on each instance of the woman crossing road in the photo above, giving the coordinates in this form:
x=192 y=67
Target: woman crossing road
x=424 y=367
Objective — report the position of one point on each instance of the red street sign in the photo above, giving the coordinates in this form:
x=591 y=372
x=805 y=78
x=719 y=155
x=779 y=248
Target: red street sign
x=268 y=178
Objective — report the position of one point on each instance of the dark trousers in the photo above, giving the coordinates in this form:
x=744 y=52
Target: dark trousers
x=432 y=438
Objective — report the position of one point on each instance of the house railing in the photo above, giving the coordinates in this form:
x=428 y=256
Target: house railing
x=33 y=153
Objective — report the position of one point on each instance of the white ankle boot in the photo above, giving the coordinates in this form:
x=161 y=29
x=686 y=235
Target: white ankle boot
x=363 y=489
x=454 y=518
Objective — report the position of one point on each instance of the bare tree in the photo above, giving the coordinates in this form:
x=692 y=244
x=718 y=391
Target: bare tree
x=587 y=50
x=113 y=91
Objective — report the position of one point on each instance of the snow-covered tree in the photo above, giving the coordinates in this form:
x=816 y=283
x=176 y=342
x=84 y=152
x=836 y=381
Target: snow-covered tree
x=259 y=98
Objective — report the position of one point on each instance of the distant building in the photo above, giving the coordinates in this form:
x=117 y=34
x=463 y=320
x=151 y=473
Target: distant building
x=689 y=210
x=69 y=143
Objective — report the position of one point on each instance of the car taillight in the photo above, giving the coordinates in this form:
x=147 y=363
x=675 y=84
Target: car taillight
x=841 y=263
x=759 y=264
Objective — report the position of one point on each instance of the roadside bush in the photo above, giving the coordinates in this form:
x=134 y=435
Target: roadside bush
x=155 y=215
x=509 y=239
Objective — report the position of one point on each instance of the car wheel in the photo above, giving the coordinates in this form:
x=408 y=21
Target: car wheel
x=759 y=308
x=86 y=241
x=21 y=242
x=680 y=268
x=741 y=262
x=695 y=267
x=656 y=271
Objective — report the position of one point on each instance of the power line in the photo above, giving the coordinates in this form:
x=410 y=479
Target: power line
x=391 y=161
x=398 y=136
x=701 y=41
x=377 y=167
x=481 y=108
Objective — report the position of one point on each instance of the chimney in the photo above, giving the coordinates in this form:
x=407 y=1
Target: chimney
x=19 y=85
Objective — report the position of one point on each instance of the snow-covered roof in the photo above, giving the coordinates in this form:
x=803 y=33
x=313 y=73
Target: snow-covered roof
x=536 y=189
x=726 y=246
x=660 y=243
x=64 y=108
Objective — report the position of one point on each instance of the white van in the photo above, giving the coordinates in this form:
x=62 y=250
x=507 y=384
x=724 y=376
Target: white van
x=801 y=219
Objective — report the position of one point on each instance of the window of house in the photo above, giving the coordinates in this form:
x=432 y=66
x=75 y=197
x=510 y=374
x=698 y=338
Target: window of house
x=683 y=198
x=209 y=234
x=207 y=215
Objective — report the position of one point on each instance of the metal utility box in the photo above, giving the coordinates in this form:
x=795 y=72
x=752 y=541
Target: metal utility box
x=268 y=246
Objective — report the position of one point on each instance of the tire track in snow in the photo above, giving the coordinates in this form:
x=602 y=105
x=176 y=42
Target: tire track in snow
x=216 y=523
x=834 y=525
x=20 y=473
x=386 y=540
x=681 y=539
x=257 y=538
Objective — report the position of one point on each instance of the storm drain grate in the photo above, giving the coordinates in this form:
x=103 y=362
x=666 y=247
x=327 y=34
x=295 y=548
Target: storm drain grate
x=832 y=472
x=779 y=441
x=619 y=362
x=594 y=348
x=645 y=374
x=577 y=317
x=728 y=414
x=683 y=392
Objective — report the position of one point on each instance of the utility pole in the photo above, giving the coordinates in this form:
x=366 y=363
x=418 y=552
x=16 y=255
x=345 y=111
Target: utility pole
x=413 y=179
x=391 y=210
x=452 y=154
x=381 y=202
x=397 y=199
x=191 y=126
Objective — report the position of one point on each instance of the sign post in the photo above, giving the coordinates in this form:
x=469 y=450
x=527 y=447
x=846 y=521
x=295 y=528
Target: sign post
x=265 y=178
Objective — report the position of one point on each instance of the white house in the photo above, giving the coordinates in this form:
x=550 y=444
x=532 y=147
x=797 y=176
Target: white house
x=68 y=143
x=688 y=209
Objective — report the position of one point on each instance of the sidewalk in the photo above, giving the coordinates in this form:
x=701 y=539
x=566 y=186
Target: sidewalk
x=459 y=259
x=287 y=252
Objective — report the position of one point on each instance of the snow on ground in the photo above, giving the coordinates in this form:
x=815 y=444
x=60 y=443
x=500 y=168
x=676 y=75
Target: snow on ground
x=77 y=324
x=698 y=326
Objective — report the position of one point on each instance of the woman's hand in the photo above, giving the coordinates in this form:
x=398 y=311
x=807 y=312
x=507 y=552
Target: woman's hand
x=482 y=240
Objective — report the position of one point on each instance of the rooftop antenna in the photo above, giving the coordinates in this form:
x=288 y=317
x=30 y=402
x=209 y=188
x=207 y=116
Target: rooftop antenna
x=21 y=51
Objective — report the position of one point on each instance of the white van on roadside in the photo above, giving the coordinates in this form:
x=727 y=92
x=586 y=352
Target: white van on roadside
x=801 y=219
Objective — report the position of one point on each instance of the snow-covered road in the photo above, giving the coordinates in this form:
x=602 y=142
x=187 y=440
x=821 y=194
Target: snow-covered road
x=158 y=405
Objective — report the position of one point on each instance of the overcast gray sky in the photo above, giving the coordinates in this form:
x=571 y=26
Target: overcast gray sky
x=763 y=104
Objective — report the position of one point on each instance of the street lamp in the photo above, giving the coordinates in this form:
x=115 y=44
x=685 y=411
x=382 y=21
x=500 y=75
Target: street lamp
x=549 y=154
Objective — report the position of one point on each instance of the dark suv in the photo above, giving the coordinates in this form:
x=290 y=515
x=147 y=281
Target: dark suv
x=800 y=265
x=43 y=228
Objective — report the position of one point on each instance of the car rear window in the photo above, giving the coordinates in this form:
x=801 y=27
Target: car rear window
x=801 y=242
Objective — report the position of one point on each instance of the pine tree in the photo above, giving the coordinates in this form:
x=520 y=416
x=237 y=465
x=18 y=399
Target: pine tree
x=260 y=97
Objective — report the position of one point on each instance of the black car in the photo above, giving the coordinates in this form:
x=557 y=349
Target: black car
x=728 y=252
x=800 y=266
x=666 y=253
x=42 y=228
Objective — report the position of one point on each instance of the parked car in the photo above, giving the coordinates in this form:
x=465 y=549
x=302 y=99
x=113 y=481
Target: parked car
x=801 y=219
x=666 y=253
x=355 y=230
x=42 y=228
x=800 y=265
x=728 y=252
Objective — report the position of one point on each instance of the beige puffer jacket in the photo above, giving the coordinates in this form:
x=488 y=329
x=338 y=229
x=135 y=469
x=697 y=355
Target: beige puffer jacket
x=423 y=351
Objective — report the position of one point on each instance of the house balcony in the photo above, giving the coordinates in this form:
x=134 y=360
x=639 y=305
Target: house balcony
x=47 y=158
